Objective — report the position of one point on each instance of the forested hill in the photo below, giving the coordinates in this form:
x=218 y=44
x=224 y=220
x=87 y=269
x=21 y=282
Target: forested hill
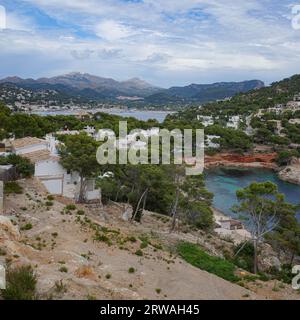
x=85 y=88
x=246 y=103
x=202 y=93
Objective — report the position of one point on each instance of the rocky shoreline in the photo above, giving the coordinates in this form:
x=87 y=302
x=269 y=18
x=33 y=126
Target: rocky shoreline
x=266 y=161
x=289 y=174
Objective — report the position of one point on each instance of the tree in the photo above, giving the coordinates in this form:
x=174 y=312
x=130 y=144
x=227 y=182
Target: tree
x=23 y=166
x=259 y=202
x=78 y=154
x=286 y=236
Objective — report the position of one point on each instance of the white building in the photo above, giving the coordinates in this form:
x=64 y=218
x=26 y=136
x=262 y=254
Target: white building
x=47 y=168
x=206 y=120
x=233 y=122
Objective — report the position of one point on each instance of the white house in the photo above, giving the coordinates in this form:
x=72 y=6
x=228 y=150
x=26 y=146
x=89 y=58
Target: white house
x=231 y=224
x=206 y=120
x=233 y=122
x=47 y=168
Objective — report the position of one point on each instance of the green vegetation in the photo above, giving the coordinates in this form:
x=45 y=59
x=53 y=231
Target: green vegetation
x=63 y=269
x=270 y=217
x=131 y=270
x=24 y=167
x=12 y=187
x=194 y=255
x=139 y=253
x=78 y=154
x=27 y=226
x=20 y=284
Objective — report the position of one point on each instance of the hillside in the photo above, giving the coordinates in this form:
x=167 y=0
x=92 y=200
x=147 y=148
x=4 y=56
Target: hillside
x=84 y=87
x=71 y=263
x=202 y=93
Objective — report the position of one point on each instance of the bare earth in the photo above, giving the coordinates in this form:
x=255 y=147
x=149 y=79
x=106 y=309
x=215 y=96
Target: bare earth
x=61 y=247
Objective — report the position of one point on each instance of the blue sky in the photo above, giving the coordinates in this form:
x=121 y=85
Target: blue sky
x=166 y=42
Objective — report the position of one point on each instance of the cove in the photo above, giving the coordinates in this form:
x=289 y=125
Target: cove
x=223 y=182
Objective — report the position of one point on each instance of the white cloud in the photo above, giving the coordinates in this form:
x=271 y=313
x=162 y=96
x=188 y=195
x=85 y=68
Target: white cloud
x=145 y=38
x=112 y=30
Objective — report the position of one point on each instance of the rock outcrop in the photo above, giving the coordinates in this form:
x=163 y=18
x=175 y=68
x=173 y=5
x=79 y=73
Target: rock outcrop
x=256 y=160
x=291 y=173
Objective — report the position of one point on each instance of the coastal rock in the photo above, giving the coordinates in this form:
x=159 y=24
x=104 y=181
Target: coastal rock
x=268 y=258
x=291 y=173
x=256 y=160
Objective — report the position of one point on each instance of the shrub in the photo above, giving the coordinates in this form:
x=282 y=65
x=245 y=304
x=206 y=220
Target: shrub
x=49 y=203
x=12 y=187
x=144 y=245
x=108 y=276
x=70 y=207
x=132 y=239
x=50 y=197
x=63 y=269
x=139 y=253
x=20 y=284
x=27 y=226
x=244 y=258
x=102 y=238
x=80 y=212
x=131 y=270
x=23 y=166
x=194 y=255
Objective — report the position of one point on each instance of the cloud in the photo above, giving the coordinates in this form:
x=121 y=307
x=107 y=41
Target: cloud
x=112 y=30
x=165 y=41
x=82 y=54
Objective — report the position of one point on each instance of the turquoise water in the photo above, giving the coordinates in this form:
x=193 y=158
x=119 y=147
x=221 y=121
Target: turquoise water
x=224 y=182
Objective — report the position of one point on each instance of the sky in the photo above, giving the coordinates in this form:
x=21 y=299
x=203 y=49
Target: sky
x=165 y=42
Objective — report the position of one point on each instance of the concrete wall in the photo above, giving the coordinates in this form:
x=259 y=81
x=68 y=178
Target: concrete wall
x=48 y=168
x=54 y=186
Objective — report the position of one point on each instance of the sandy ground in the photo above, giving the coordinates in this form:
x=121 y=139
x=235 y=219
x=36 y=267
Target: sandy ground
x=62 y=249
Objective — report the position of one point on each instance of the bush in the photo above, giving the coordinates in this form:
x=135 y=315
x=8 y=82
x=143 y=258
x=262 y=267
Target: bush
x=63 y=269
x=245 y=257
x=70 y=207
x=139 y=253
x=12 y=187
x=194 y=255
x=21 y=284
x=131 y=270
x=23 y=166
x=27 y=226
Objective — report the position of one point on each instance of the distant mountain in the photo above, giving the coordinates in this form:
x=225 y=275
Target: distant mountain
x=204 y=92
x=89 y=87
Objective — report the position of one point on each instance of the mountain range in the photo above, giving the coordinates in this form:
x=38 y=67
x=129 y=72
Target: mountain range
x=97 y=88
